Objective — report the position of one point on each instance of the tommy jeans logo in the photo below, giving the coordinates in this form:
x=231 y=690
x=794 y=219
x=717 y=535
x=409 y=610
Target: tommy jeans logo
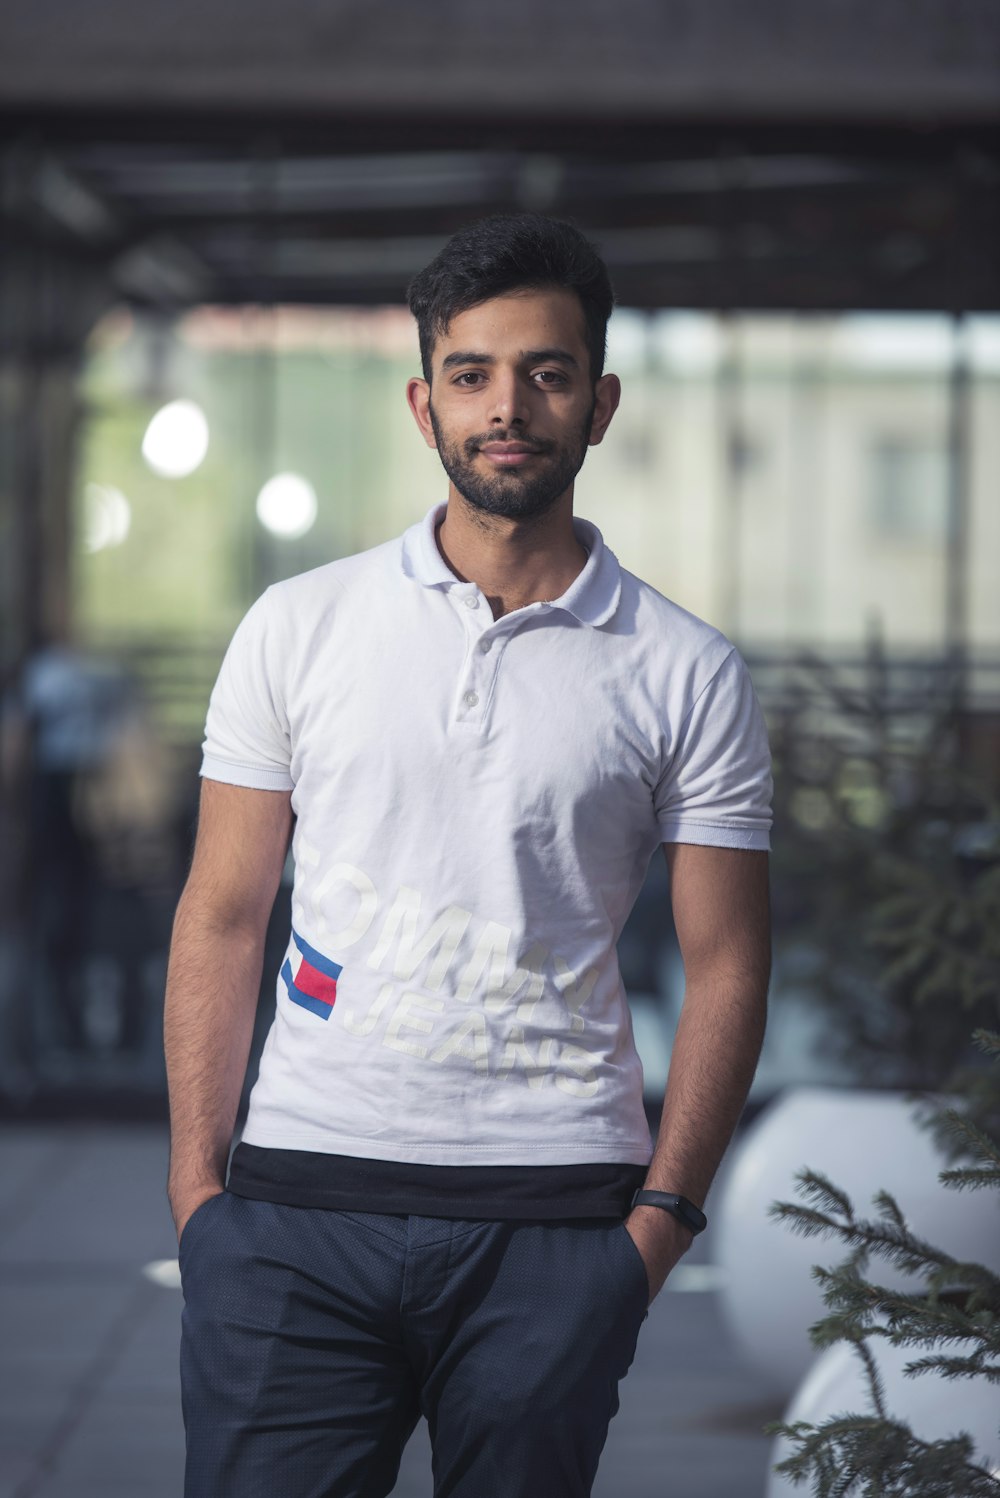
x=311 y=978
x=502 y=999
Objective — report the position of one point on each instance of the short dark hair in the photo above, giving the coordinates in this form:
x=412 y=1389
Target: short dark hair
x=504 y=253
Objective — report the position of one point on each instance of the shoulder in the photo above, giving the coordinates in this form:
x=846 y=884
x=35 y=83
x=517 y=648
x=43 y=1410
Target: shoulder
x=312 y=593
x=671 y=637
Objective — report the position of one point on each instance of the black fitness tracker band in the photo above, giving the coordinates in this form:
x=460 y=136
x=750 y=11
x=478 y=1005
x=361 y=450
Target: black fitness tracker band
x=677 y=1206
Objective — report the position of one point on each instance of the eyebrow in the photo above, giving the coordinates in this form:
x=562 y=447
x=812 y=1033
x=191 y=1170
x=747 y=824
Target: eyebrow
x=527 y=356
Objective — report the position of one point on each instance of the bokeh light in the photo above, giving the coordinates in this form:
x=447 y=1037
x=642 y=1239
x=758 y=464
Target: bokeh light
x=107 y=516
x=176 y=439
x=286 y=505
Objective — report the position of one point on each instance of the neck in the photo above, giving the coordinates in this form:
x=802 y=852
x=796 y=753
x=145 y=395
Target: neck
x=513 y=562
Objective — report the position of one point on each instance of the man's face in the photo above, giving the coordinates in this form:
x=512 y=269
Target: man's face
x=512 y=407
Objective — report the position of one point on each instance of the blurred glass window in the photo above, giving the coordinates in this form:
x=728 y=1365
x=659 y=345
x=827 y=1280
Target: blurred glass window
x=909 y=488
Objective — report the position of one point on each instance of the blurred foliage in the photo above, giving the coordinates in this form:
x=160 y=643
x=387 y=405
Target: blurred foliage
x=886 y=873
x=952 y=1319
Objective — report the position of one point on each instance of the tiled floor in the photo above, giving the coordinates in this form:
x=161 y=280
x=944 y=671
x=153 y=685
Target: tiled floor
x=88 y=1356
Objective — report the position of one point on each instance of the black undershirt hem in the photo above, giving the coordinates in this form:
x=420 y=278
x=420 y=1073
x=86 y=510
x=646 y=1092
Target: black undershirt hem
x=305 y=1178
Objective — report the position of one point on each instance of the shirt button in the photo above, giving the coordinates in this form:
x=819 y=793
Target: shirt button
x=471 y=601
x=470 y=699
x=485 y=646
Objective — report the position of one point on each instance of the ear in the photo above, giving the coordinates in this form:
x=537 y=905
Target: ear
x=418 y=398
x=607 y=394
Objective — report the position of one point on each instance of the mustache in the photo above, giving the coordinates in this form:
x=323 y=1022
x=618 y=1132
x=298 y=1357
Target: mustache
x=534 y=444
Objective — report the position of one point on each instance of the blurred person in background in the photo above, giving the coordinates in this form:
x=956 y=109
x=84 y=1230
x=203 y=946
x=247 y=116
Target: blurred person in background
x=78 y=749
x=128 y=804
x=445 y=1199
x=59 y=719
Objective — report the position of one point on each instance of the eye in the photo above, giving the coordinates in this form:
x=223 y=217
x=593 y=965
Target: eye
x=468 y=379
x=550 y=377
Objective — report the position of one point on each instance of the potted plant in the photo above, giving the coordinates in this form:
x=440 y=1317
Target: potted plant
x=886 y=881
x=915 y=1369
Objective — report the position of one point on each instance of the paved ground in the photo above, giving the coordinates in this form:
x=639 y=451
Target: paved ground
x=88 y=1357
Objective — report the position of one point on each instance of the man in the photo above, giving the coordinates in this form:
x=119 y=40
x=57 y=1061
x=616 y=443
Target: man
x=483 y=730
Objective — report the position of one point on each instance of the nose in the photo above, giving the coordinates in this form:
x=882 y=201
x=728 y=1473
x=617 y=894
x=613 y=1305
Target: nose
x=508 y=403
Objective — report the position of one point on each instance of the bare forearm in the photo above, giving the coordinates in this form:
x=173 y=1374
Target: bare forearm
x=715 y=1053
x=714 y=1057
x=212 y=986
x=721 y=913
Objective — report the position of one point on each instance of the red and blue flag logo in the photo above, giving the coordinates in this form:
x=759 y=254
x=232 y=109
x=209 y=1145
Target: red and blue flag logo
x=311 y=978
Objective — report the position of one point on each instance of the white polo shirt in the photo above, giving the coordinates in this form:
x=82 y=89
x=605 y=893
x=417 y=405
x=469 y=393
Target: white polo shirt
x=477 y=802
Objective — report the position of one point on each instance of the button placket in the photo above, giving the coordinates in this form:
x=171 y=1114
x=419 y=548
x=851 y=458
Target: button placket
x=475 y=687
x=476 y=683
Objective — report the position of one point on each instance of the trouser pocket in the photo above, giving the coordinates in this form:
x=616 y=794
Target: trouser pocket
x=193 y=1225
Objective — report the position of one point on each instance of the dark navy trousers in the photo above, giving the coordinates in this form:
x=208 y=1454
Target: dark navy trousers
x=313 y=1340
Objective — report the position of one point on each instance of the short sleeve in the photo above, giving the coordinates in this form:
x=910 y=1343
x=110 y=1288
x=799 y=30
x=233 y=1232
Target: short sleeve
x=247 y=739
x=716 y=788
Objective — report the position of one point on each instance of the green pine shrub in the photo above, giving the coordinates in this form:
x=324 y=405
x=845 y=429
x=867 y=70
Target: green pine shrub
x=951 y=1320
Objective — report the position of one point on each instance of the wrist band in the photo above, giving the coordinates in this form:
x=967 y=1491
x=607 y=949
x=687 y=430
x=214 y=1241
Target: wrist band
x=678 y=1206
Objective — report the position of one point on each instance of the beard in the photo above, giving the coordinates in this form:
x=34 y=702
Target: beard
x=513 y=494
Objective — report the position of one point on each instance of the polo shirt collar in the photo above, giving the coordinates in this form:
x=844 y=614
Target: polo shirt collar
x=592 y=597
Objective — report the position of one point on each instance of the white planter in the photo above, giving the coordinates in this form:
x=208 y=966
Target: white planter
x=862 y=1141
x=933 y=1407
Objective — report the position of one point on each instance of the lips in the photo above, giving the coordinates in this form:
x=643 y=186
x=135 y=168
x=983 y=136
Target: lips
x=508 y=454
